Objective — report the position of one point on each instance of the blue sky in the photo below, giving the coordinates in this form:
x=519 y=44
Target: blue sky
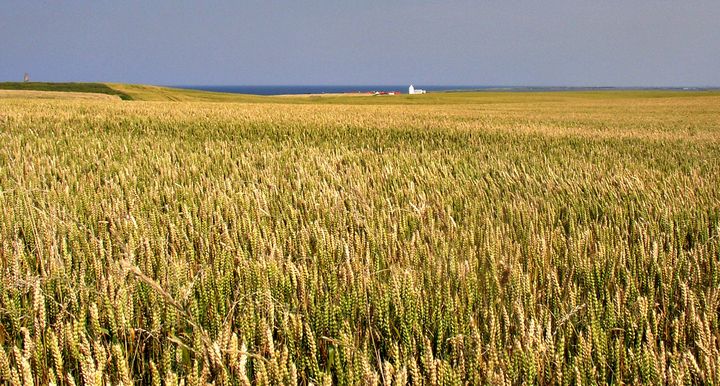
x=511 y=42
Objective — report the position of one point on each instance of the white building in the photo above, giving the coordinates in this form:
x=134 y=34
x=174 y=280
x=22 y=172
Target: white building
x=413 y=90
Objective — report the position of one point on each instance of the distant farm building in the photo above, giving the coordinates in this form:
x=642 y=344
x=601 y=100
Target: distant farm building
x=413 y=90
x=385 y=92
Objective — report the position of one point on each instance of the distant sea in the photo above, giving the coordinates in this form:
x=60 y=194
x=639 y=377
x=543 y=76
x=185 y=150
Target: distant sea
x=317 y=89
x=320 y=89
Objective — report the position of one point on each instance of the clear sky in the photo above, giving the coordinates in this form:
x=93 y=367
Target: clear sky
x=452 y=42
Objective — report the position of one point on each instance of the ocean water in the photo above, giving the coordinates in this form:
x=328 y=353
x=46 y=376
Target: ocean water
x=320 y=89
x=325 y=89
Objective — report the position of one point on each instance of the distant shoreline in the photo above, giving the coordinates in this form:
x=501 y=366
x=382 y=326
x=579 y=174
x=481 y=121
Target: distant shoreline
x=304 y=94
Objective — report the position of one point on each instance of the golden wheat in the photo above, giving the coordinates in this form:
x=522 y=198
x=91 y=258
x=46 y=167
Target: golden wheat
x=568 y=239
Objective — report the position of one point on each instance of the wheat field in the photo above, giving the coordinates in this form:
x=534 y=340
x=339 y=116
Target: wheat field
x=560 y=238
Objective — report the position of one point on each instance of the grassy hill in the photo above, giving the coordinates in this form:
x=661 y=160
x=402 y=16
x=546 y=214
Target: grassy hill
x=159 y=93
x=99 y=88
x=133 y=91
x=57 y=95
